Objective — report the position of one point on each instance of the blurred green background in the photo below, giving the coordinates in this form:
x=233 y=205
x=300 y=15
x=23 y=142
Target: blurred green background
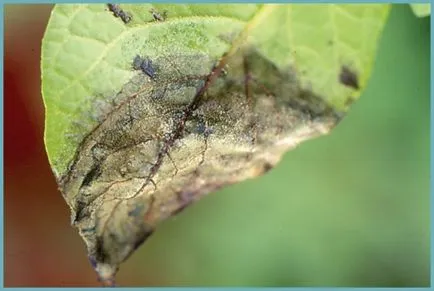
x=348 y=209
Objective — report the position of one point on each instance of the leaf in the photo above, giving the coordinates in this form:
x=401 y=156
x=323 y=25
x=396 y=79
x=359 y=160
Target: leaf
x=151 y=107
x=421 y=10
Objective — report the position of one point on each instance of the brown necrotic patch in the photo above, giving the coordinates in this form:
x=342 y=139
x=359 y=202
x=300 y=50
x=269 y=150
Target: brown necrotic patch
x=165 y=150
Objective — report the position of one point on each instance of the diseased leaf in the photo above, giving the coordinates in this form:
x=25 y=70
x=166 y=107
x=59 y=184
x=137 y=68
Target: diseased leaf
x=150 y=107
x=421 y=10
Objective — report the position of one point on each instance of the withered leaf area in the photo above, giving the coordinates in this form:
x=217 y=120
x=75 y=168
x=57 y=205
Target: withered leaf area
x=169 y=141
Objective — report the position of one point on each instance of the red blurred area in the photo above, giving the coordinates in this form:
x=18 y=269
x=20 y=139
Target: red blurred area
x=35 y=213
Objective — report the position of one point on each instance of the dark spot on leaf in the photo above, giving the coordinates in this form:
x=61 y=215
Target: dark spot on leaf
x=80 y=211
x=348 y=78
x=143 y=236
x=306 y=109
x=145 y=65
x=92 y=262
x=136 y=210
x=118 y=12
x=330 y=42
x=267 y=167
x=93 y=174
x=137 y=62
x=89 y=229
x=100 y=254
x=202 y=128
x=157 y=16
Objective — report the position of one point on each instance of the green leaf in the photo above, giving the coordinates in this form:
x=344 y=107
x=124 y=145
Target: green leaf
x=149 y=111
x=421 y=10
